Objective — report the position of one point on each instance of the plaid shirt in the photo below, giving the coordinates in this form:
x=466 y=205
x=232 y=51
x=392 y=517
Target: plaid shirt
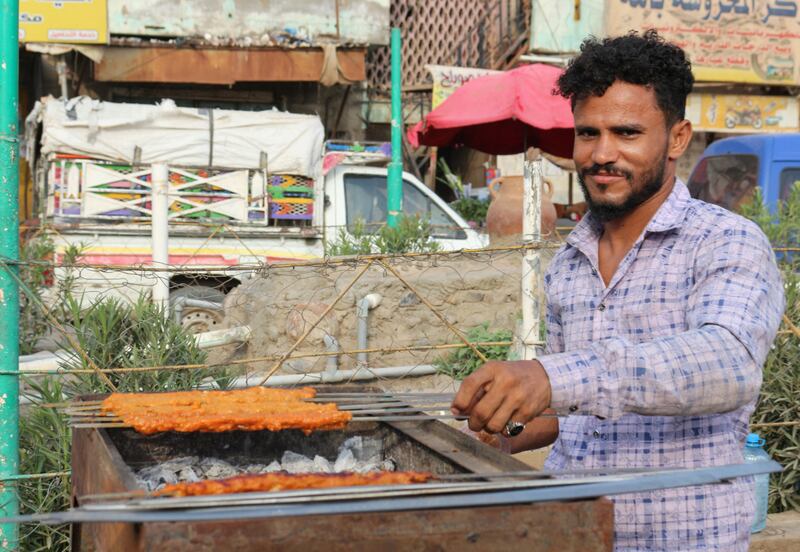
x=662 y=367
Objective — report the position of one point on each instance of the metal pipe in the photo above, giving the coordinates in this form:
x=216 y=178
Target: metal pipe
x=532 y=261
x=218 y=338
x=332 y=346
x=394 y=190
x=9 y=251
x=44 y=360
x=160 y=232
x=341 y=376
x=363 y=307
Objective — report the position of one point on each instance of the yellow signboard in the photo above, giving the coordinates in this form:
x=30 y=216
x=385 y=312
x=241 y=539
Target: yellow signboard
x=756 y=41
x=447 y=79
x=63 y=21
x=748 y=114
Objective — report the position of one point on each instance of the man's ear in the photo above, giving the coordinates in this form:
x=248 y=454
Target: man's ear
x=679 y=137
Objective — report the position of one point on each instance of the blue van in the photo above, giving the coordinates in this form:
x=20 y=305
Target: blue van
x=730 y=169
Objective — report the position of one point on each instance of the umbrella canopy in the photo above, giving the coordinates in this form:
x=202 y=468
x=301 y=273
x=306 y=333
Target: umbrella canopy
x=502 y=114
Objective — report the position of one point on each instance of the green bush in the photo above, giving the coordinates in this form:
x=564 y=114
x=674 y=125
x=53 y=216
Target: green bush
x=412 y=235
x=778 y=400
x=44 y=447
x=462 y=362
x=112 y=334
x=471 y=208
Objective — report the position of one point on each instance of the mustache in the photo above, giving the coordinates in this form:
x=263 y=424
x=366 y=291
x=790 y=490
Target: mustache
x=606 y=169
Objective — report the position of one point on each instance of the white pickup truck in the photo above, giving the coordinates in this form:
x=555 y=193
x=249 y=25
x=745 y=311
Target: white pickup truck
x=245 y=188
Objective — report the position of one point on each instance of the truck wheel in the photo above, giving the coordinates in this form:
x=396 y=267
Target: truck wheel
x=198 y=319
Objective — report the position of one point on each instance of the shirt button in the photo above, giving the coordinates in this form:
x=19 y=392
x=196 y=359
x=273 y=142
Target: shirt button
x=595 y=434
x=573 y=408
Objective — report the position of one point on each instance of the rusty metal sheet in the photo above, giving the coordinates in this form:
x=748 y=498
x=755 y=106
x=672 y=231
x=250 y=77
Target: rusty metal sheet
x=223 y=66
x=584 y=526
x=354 y=21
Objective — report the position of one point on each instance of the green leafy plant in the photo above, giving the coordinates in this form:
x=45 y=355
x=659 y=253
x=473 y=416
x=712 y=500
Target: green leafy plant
x=113 y=334
x=117 y=334
x=35 y=255
x=412 y=235
x=450 y=179
x=42 y=289
x=781 y=378
x=471 y=208
x=44 y=447
x=462 y=362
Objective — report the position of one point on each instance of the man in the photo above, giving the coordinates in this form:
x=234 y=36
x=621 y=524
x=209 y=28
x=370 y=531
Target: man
x=661 y=310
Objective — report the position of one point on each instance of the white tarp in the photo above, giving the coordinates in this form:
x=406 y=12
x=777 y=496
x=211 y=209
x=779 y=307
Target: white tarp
x=181 y=136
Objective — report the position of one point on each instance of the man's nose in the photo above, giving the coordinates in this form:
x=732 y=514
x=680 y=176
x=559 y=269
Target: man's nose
x=605 y=150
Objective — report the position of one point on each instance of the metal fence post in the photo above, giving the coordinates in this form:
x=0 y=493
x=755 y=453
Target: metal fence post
x=9 y=252
x=532 y=260
x=160 y=232
x=394 y=193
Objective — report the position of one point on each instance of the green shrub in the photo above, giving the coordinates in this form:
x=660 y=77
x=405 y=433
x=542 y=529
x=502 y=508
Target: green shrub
x=412 y=235
x=112 y=334
x=462 y=362
x=471 y=208
x=44 y=447
x=778 y=400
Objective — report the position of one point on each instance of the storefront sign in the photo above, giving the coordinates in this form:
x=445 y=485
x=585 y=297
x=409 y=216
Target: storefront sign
x=447 y=80
x=755 y=41
x=741 y=113
x=64 y=21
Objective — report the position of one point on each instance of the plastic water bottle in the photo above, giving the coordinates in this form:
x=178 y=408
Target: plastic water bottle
x=754 y=452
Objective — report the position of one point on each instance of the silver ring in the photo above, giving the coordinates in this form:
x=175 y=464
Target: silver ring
x=514 y=428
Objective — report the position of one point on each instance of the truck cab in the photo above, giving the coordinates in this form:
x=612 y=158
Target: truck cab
x=357 y=193
x=730 y=169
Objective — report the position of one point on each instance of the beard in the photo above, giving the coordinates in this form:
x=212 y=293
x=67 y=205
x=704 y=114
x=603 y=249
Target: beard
x=642 y=189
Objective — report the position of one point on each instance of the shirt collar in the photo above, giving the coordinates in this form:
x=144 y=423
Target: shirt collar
x=669 y=216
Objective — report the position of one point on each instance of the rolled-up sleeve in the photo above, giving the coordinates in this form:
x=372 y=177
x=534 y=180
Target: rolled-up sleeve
x=733 y=315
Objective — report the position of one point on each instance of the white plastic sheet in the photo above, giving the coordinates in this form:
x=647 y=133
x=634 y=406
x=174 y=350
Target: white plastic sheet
x=180 y=136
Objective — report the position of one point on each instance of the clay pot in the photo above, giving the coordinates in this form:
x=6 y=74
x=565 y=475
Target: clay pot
x=504 y=218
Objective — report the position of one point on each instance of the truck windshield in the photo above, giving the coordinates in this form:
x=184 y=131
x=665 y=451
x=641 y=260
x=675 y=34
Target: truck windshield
x=365 y=200
x=725 y=180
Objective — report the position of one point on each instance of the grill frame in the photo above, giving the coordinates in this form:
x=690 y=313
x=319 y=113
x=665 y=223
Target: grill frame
x=101 y=464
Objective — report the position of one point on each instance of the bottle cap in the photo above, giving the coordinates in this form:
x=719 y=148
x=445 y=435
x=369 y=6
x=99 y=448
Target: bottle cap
x=754 y=440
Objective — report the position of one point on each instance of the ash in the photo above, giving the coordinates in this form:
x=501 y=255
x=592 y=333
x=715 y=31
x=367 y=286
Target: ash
x=357 y=454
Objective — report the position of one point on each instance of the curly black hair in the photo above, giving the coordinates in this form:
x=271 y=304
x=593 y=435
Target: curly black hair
x=645 y=59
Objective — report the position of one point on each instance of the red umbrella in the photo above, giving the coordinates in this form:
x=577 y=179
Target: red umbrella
x=502 y=114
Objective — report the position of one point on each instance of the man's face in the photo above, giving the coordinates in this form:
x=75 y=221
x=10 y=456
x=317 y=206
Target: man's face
x=621 y=149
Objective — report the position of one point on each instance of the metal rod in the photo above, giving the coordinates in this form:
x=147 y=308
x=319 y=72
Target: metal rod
x=394 y=193
x=531 y=262
x=9 y=252
x=480 y=498
x=160 y=232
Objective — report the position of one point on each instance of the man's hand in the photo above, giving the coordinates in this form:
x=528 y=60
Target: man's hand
x=499 y=392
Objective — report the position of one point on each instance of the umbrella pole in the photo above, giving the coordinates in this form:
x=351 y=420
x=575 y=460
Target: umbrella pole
x=531 y=262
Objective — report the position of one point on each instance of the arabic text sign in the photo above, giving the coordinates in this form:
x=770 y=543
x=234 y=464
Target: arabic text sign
x=735 y=113
x=447 y=80
x=727 y=40
x=70 y=21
